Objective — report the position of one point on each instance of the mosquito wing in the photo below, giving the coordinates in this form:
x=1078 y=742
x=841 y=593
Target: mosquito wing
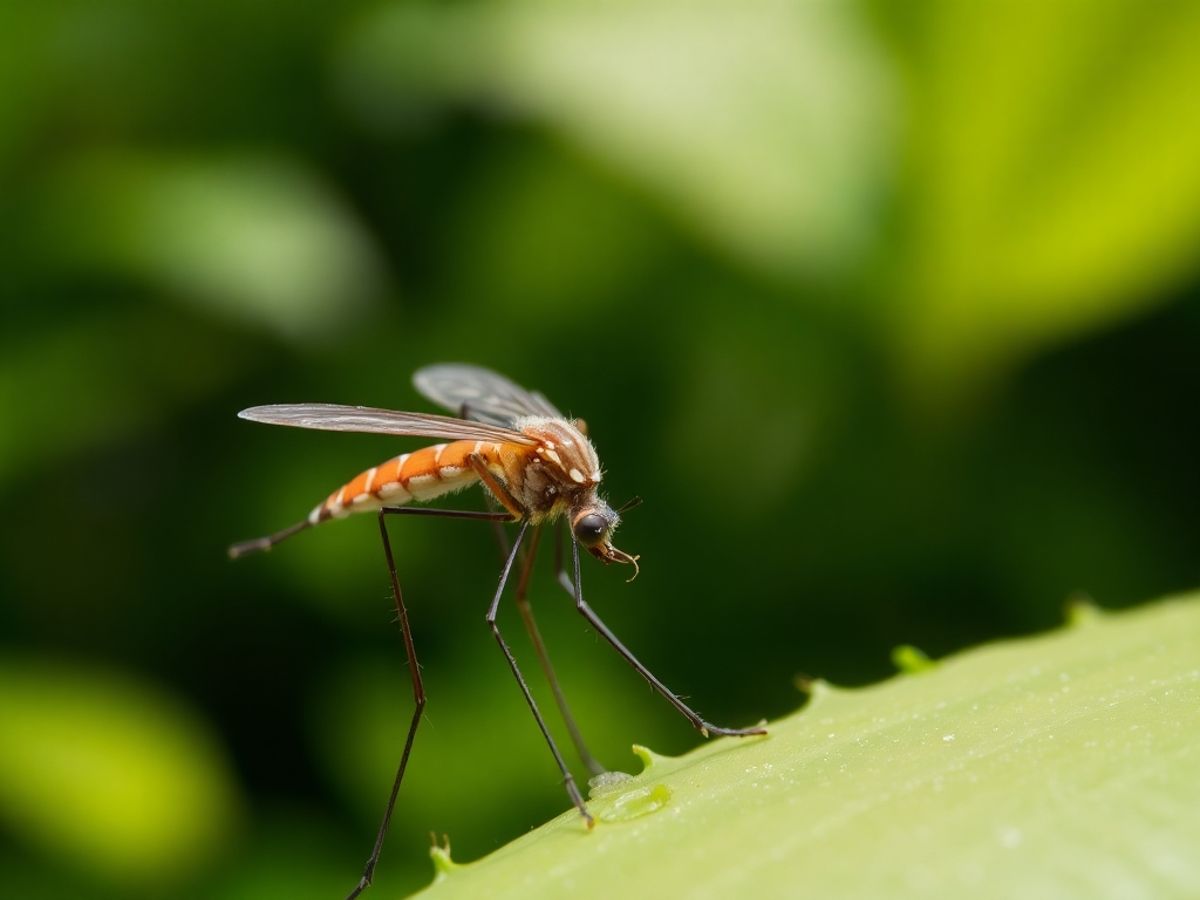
x=332 y=417
x=481 y=394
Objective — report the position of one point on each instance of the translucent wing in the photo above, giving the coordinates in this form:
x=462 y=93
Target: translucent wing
x=332 y=417
x=480 y=394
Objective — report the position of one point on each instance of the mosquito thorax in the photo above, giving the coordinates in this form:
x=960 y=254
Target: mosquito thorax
x=560 y=472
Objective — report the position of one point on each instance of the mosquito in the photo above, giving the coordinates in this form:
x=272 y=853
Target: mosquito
x=537 y=464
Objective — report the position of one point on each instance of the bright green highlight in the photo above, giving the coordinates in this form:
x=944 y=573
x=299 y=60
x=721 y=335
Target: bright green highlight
x=116 y=777
x=911 y=660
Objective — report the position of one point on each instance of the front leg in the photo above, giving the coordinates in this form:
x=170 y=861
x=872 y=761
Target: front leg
x=493 y=610
x=704 y=727
x=498 y=488
x=535 y=636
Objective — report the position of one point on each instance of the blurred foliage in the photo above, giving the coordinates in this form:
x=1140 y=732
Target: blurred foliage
x=249 y=237
x=714 y=108
x=1051 y=177
x=888 y=310
x=148 y=795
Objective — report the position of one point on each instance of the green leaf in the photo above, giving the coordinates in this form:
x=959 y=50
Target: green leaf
x=1063 y=765
x=107 y=774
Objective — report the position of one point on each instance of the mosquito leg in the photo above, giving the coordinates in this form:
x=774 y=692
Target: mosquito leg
x=705 y=728
x=498 y=488
x=474 y=514
x=568 y=778
x=526 y=610
x=418 y=687
x=498 y=527
x=526 y=559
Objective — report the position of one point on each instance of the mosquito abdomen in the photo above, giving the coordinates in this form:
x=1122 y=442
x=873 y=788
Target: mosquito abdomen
x=429 y=472
x=422 y=475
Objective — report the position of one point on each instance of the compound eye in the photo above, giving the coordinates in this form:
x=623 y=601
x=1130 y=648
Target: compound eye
x=590 y=529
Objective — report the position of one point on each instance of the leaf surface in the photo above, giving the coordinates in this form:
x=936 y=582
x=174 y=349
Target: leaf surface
x=1062 y=765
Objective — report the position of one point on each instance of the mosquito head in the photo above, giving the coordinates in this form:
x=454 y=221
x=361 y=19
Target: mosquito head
x=592 y=524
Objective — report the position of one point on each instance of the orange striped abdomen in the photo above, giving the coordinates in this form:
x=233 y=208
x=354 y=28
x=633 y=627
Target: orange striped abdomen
x=422 y=475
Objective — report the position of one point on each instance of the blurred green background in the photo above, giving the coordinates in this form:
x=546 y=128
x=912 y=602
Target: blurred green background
x=888 y=310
